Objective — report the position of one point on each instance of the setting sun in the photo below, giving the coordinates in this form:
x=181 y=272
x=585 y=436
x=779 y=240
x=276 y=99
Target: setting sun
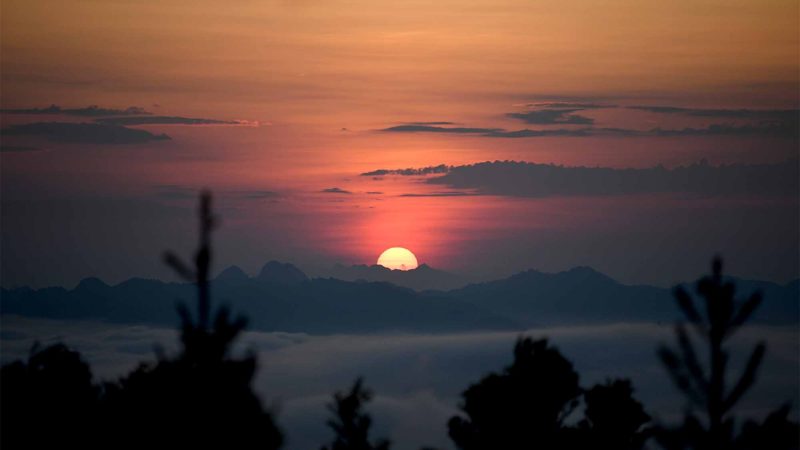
x=398 y=258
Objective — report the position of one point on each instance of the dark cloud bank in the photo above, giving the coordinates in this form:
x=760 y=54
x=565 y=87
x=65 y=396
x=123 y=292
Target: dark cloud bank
x=441 y=168
x=163 y=120
x=109 y=125
x=335 y=190
x=766 y=123
x=779 y=114
x=541 y=180
x=89 y=111
x=552 y=117
x=788 y=129
x=522 y=179
x=83 y=133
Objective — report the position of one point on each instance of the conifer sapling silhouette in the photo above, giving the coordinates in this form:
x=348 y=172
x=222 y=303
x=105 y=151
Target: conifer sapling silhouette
x=350 y=423
x=706 y=387
x=203 y=397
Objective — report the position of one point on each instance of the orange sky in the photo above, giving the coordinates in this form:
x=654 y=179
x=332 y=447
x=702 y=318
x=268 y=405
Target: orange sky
x=322 y=77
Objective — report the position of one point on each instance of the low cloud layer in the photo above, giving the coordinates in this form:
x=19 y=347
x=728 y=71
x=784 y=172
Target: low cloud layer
x=335 y=190
x=521 y=179
x=570 y=105
x=552 y=117
x=441 y=168
x=745 y=122
x=440 y=194
x=414 y=127
x=786 y=129
x=163 y=120
x=781 y=114
x=89 y=111
x=298 y=373
x=130 y=116
x=83 y=133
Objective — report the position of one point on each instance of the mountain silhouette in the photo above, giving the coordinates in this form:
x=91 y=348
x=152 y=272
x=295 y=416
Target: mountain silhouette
x=233 y=274
x=282 y=298
x=584 y=295
x=281 y=273
x=422 y=278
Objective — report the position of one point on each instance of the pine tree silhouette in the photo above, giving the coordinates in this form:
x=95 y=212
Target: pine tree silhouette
x=705 y=387
x=522 y=407
x=350 y=423
x=203 y=397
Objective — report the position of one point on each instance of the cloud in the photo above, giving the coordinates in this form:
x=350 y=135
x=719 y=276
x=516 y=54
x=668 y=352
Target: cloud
x=412 y=128
x=335 y=190
x=522 y=179
x=83 y=133
x=441 y=168
x=562 y=132
x=786 y=129
x=570 y=105
x=89 y=111
x=552 y=117
x=298 y=372
x=441 y=194
x=781 y=114
x=164 y=120
x=790 y=129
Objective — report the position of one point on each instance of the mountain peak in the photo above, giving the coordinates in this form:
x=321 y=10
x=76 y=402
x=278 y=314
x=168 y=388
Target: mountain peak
x=586 y=272
x=281 y=273
x=232 y=274
x=91 y=284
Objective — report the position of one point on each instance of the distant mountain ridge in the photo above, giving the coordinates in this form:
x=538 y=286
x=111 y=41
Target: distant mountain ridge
x=422 y=278
x=283 y=298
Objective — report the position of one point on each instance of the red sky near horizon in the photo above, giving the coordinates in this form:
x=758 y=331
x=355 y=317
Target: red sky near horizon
x=318 y=91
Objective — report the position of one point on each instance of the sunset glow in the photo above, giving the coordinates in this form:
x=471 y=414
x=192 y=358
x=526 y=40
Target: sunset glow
x=308 y=120
x=398 y=258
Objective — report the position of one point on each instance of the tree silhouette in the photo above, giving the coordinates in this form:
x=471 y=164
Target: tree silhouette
x=350 y=423
x=522 y=407
x=203 y=397
x=705 y=387
x=613 y=418
x=48 y=401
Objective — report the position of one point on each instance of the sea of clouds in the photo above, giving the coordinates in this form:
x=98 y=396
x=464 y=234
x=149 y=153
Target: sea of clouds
x=417 y=378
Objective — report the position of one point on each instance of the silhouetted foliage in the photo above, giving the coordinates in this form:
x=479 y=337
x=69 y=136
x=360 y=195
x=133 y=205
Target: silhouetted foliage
x=613 y=418
x=522 y=407
x=48 y=401
x=201 y=398
x=350 y=423
x=705 y=387
x=777 y=432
